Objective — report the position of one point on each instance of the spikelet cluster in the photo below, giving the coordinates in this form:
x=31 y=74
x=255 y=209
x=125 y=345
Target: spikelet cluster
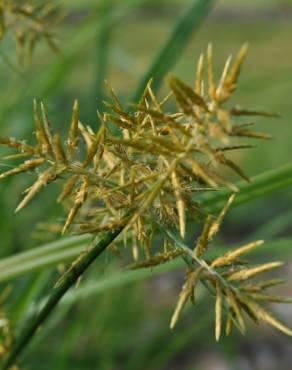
x=30 y=22
x=143 y=166
x=230 y=277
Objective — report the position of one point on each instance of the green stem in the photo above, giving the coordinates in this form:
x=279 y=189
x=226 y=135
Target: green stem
x=192 y=255
x=69 y=279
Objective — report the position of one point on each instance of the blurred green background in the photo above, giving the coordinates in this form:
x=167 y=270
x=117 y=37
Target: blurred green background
x=124 y=325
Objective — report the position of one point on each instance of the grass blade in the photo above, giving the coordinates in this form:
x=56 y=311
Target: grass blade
x=260 y=185
x=102 y=53
x=69 y=279
x=44 y=250
x=189 y=21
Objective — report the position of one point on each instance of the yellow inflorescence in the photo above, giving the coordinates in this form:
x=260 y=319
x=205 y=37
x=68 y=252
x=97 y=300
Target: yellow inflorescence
x=144 y=167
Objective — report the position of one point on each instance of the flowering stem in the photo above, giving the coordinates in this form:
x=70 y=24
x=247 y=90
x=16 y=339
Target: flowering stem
x=191 y=255
x=69 y=279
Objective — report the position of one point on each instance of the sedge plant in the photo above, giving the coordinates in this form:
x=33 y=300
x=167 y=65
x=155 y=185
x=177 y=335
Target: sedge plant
x=140 y=171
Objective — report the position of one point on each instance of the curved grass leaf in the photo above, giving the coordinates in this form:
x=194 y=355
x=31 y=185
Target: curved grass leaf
x=102 y=52
x=44 y=250
x=188 y=22
x=63 y=285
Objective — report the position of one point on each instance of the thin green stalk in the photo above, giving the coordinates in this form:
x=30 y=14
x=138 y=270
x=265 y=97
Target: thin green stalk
x=181 y=33
x=69 y=279
x=190 y=257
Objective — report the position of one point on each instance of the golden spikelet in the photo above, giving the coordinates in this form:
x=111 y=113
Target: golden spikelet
x=231 y=256
x=72 y=142
x=232 y=77
x=235 y=306
x=78 y=202
x=41 y=136
x=186 y=292
x=217 y=223
x=180 y=204
x=248 y=273
x=59 y=152
x=47 y=127
x=157 y=259
x=218 y=311
x=270 y=298
x=202 y=244
x=68 y=188
x=26 y=166
x=199 y=76
x=41 y=182
x=211 y=83
x=221 y=93
x=18 y=145
x=264 y=315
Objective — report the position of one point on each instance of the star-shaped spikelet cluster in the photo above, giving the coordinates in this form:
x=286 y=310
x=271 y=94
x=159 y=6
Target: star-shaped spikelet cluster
x=228 y=277
x=144 y=165
x=232 y=280
x=150 y=159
